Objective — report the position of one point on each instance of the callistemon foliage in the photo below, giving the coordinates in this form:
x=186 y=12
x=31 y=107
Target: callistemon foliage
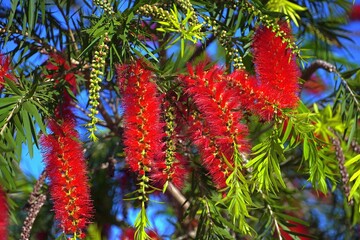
x=215 y=123
x=196 y=106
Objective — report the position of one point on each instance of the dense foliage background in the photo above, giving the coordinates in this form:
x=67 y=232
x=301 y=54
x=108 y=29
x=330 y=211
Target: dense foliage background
x=180 y=119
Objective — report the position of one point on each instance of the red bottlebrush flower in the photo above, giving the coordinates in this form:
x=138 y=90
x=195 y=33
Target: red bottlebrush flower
x=314 y=85
x=4 y=70
x=210 y=153
x=66 y=168
x=251 y=96
x=4 y=216
x=275 y=67
x=296 y=228
x=142 y=130
x=129 y=234
x=354 y=14
x=219 y=106
x=221 y=128
x=58 y=66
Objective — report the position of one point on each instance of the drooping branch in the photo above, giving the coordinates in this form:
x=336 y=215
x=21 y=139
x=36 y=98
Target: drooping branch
x=314 y=66
x=36 y=201
x=178 y=196
x=321 y=64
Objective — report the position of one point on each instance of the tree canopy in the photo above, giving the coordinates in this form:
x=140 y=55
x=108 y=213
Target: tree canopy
x=228 y=119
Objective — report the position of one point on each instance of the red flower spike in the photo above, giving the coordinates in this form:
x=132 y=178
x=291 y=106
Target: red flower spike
x=4 y=216
x=354 y=14
x=143 y=129
x=251 y=95
x=221 y=129
x=315 y=85
x=5 y=71
x=209 y=151
x=58 y=67
x=220 y=107
x=66 y=168
x=129 y=234
x=275 y=67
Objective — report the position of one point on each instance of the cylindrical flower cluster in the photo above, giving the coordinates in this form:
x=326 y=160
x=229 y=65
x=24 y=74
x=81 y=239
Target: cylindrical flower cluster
x=96 y=75
x=66 y=168
x=275 y=86
x=143 y=132
x=4 y=70
x=64 y=158
x=221 y=129
x=211 y=155
x=276 y=67
x=219 y=107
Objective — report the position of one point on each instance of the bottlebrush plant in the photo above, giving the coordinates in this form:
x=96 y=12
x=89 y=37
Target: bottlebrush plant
x=178 y=120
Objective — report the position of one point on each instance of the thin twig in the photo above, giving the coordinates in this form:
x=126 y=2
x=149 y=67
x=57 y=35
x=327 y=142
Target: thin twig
x=67 y=25
x=277 y=227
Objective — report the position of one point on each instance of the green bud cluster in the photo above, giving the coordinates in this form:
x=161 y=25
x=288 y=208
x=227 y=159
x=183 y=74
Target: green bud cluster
x=186 y=6
x=105 y=5
x=155 y=12
x=225 y=40
x=170 y=142
x=144 y=185
x=97 y=68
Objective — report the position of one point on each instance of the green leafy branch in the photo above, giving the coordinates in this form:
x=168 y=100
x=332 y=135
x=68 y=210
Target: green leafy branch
x=265 y=167
x=354 y=165
x=286 y=7
x=21 y=111
x=183 y=27
x=212 y=224
x=298 y=128
x=238 y=197
x=275 y=220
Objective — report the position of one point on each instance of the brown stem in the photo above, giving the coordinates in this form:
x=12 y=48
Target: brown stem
x=178 y=196
x=36 y=201
x=109 y=122
x=314 y=66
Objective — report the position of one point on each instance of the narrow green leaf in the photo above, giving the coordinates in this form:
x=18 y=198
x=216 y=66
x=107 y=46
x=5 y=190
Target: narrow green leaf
x=355 y=176
x=28 y=132
x=354 y=187
x=352 y=160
